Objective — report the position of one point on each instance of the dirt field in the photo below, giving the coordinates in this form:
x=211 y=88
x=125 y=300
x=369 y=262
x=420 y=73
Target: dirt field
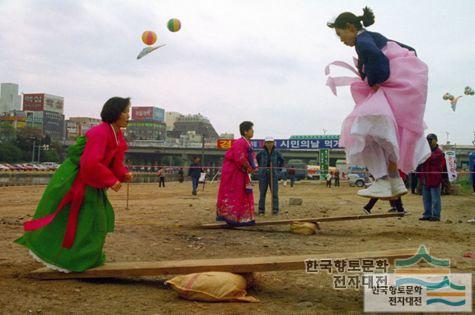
x=155 y=228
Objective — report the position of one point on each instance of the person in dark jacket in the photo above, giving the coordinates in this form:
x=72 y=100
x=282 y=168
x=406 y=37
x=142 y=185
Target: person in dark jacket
x=270 y=163
x=291 y=174
x=194 y=172
x=181 y=175
x=161 y=176
x=472 y=169
x=413 y=181
x=337 y=178
x=431 y=176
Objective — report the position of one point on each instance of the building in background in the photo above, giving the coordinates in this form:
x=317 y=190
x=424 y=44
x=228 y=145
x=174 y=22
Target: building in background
x=53 y=125
x=85 y=123
x=148 y=123
x=34 y=119
x=226 y=136
x=199 y=124
x=148 y=113
x=146 y=130
x=191 y=138
x=171 y=118
x=45 y=112
x=50 y=123
x=15 y=118
x=43 y=102
x=72 y=130
x=78 y=126
x=9 y=98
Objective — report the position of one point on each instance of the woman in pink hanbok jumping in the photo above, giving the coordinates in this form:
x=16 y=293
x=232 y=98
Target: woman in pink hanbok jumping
x=385 y=130
x=235 y=197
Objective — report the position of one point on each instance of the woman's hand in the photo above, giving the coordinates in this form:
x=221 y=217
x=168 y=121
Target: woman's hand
x=246 y=168
x=128 y=177
x=116 y=186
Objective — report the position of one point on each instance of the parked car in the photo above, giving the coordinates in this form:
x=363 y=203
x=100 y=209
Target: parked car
x=9 y=166
x=41 y=167
x=313 y=172
x=38 y=167
x=358 y=179
x=51 y=166
x=35 y=167
x=28 y=167
x=4 y=168
x=19 y=167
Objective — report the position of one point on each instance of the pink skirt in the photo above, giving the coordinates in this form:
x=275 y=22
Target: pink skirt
x=390 y=120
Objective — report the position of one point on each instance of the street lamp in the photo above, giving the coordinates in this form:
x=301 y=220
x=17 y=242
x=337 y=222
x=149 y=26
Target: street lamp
x=44 y=147
x=33 y=150
x=202 y=149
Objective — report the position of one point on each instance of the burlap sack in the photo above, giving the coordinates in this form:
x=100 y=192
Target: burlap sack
x=305 y=228
x=212 y=287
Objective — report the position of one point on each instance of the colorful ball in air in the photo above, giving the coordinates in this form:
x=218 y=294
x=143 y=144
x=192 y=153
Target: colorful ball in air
x=174 y=25
x=149 y=38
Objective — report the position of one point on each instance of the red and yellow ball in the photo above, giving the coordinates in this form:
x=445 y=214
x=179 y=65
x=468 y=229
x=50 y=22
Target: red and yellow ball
x=174 y=25
x=149 y=38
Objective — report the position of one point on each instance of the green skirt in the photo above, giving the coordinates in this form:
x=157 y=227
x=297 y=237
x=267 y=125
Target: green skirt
x=95 y=220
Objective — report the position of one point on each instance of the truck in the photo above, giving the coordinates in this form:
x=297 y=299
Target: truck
x=313 y=172
x=358 y=176
x=358 y=180
x=342 y=167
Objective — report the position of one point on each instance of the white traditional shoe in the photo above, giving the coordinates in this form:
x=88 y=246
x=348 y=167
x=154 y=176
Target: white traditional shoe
x=398 y=187
x=381 y=188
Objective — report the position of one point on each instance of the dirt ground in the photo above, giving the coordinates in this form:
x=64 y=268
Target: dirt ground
x=156 y=227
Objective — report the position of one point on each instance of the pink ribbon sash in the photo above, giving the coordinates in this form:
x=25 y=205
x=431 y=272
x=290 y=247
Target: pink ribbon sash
x=75 y=197
x=334 y=82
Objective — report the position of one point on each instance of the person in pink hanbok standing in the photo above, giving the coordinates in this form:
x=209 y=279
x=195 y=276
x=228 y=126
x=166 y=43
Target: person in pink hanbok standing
x=235 y=196
x=385 y=130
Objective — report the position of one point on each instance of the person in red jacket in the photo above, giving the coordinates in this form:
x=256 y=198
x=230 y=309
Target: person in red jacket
x=430 y=177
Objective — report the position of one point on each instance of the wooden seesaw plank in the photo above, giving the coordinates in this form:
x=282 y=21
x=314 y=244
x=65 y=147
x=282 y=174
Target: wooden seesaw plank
x=235 y=265
x=224 y=225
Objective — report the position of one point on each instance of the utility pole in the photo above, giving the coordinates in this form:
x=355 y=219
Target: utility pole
x=202 y=149
x=33 y=151
x=39 y=153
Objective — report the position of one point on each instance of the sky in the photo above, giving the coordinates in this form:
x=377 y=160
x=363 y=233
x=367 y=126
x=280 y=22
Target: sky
x=232 y=61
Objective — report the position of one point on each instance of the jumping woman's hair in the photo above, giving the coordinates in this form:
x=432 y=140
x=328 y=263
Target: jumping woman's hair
x=245 y=126
x=113 y=108
x=346 y=18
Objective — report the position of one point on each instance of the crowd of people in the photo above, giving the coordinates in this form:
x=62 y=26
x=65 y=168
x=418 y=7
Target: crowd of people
x=384 y=133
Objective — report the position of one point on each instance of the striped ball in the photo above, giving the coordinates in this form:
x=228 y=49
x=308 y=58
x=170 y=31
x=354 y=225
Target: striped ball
x=174 y=25
x=149 y=37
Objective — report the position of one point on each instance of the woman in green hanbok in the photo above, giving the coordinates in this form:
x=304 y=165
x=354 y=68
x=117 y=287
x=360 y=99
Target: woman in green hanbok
x=73 y=217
